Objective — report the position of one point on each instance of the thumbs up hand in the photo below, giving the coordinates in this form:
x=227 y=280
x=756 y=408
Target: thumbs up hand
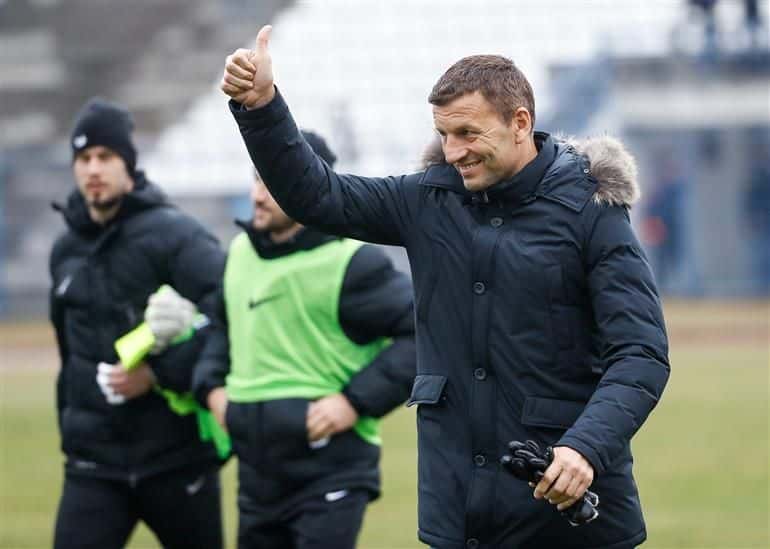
x=248 y=75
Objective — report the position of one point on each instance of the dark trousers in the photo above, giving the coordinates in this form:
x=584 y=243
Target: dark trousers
x=311 y=523
x=182 y=508
x=626 y=547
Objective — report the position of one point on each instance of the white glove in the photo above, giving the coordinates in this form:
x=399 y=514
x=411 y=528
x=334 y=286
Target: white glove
x=103 y=378
x=168 y=315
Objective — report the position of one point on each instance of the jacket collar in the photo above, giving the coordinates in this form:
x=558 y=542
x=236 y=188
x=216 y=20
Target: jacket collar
x=519 y=188
x=523 y=186
x=306 y=239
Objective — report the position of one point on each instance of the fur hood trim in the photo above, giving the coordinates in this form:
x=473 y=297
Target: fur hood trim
x=613 y=167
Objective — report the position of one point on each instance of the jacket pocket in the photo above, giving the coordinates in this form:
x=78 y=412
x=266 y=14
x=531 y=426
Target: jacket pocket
x=427 y=389
x=550 y=412
x=429 y=392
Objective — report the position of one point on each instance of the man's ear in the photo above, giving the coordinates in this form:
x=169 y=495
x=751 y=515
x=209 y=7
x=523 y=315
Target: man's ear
x=521 y=123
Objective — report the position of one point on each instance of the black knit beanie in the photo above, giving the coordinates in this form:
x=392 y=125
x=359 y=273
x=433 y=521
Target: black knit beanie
x=100 y=122
x=319 y=146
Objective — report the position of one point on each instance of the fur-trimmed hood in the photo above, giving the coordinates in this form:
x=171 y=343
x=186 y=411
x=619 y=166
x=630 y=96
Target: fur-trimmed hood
x=613 y=167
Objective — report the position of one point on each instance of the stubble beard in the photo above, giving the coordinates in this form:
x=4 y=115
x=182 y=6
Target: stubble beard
x=102 y=205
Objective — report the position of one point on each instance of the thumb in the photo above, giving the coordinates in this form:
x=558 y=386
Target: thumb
x=263 y=37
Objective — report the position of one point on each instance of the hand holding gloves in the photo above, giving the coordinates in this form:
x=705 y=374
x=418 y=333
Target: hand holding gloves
x=119 y=385
x=103 y=372
x=526 y=461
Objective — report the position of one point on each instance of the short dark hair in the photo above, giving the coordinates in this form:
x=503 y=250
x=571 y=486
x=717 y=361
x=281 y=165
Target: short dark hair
x=497 y=78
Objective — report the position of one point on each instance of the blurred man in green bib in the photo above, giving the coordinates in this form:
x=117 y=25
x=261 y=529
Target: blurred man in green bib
x=313 y=343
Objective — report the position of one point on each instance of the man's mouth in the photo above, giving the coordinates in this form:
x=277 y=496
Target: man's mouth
x=467 y=166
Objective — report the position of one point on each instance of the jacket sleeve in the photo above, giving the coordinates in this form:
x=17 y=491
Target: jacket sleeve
x=371 y=209
x=195 y=270
x=214 y=362
x=56 y=315
x=634 y=346
x=376 y=302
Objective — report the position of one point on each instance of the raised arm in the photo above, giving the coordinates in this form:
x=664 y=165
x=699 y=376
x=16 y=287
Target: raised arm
x=373 y=209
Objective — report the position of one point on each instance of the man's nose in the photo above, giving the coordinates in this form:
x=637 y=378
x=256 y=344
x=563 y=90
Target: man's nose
x=94 y=166
x=454 y=150
x=259 y=195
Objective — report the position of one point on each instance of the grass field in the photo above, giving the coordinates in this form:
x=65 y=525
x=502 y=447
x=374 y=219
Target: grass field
x=701 y=459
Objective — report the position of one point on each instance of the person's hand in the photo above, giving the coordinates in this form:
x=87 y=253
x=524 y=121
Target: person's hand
x=103 y=379
x=217 y=403
x=119 y=384
x=566 y=479
x=168 y=315
x=132 y=383
x=248 y=76
x=330 y=415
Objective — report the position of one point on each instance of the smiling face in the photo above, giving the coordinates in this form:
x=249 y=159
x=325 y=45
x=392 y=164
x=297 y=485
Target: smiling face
x=102 y=179
x=479 y=144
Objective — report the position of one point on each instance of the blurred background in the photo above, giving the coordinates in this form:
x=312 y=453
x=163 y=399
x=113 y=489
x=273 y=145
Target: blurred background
x=684 y=83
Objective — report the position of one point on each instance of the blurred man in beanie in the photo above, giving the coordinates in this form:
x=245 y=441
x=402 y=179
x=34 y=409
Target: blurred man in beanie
x=129 y=456
x=321 y=344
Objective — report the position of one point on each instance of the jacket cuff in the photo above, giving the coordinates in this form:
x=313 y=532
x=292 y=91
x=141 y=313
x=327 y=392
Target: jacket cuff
x=202 y=385
x=586 y=451
x=356 y=403
x=202 y=393
x=263 y=117
x=157 y=370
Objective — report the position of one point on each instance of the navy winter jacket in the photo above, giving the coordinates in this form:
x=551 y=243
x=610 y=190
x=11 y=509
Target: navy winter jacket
x=101 y=279
x=537 y=318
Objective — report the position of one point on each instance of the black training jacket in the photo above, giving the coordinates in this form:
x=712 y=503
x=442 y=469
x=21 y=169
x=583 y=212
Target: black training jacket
x=375 y=301
x=537 y=318
x=101 y=280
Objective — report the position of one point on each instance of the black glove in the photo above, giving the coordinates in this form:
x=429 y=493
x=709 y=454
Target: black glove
x=526 y=461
